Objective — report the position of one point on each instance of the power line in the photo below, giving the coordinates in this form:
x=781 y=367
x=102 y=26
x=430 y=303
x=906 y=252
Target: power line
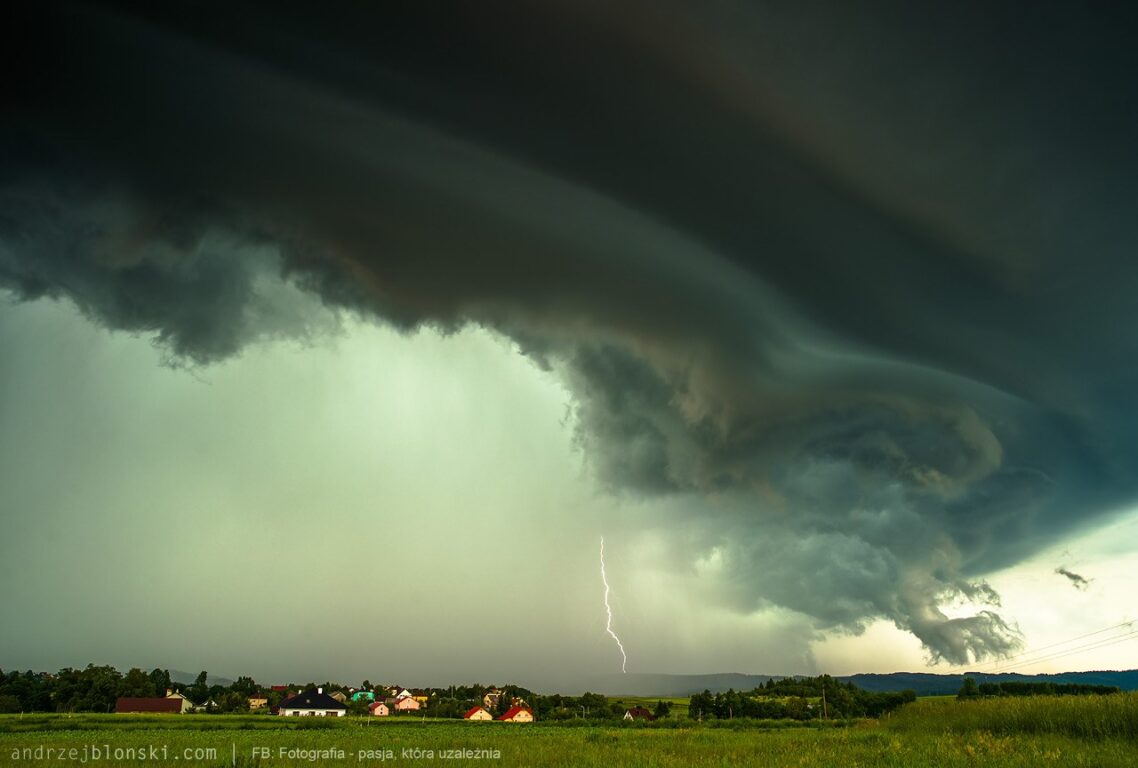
x=998 y=663
x=1104 y=643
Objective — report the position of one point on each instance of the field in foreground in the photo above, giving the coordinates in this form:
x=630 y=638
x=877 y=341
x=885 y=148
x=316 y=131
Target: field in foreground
x=1098 y=731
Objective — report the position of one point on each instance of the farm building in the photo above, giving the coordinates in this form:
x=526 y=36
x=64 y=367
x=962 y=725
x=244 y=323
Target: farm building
x=405 y=704
x=187 y=705
x=477 y=713
x=134 y=706
x=638 y=713
x=313 y=703
x=379 y=709
x=491 y=697
x=517 y=715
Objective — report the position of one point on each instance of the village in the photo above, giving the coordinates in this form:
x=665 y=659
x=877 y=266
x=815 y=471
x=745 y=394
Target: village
x=496 y=704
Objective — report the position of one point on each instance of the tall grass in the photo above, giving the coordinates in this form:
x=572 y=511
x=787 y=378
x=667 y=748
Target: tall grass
x=994 y=733
x=1081 y=717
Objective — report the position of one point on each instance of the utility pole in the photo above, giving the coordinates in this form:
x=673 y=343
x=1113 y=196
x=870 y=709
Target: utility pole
x=825 y=716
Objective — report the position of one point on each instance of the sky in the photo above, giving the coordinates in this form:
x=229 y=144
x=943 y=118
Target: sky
x=333 y=341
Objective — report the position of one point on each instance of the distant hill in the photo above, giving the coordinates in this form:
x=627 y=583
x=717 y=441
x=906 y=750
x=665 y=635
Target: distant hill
x=925 y=684
x=188 y=678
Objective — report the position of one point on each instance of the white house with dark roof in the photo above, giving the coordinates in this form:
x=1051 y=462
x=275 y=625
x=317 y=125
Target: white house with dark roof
x=312 y=704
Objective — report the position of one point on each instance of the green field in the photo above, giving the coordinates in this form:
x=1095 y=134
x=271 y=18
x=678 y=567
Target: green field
x=1068 y=731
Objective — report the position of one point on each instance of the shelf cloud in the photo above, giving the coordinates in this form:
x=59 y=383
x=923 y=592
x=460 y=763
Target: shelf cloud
x=858 y=292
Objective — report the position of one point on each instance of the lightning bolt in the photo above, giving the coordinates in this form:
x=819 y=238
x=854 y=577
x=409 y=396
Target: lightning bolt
x=608 y=610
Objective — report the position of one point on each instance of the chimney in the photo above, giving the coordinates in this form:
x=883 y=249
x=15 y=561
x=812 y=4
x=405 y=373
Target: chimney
x=320 y=690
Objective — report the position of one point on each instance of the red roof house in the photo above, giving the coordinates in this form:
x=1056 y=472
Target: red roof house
x=517 y=715
x=477 y=713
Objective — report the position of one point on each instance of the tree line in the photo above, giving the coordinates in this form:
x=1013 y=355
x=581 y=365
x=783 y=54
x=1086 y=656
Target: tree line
x=797 y=698
x=96 y=688
x=1020 y=688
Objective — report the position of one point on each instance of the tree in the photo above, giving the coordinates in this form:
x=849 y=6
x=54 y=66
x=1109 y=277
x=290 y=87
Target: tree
x=137 y=683
x=199 y=691
x=232 y=701
x=968 y=690
x=245 y=685
x=160 y=679
x=663 y=709
x=701 y=705
x=595 y=705
x=359 y=707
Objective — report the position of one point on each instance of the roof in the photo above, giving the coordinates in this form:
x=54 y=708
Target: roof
x=513 y=711
x=127 y=705
x=472 y=711
x=637 y=712
x=376 y=704
x=312 y=700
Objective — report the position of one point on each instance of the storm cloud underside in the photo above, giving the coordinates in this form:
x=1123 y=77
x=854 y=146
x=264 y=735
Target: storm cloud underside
x=856 y=292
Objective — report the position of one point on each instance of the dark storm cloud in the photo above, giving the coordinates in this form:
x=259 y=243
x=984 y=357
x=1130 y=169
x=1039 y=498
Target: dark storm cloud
x=863 y=277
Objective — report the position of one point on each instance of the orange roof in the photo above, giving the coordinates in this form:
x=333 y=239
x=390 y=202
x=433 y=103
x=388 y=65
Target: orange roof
x=513 y=711
x=472 y=711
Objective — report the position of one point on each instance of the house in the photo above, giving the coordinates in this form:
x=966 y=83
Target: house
x=154 y=705
x=477 y=713
x=491 y=698
x=187 y=705
x=208 y=706
x=258 y=701
x=517 y=715
x=313 y=703
x=363 y=696
x=638 y=713
x=340 y=697
x=379 y=709
x=405 y=704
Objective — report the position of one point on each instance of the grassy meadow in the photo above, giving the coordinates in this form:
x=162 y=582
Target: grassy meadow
x=1043 y=731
